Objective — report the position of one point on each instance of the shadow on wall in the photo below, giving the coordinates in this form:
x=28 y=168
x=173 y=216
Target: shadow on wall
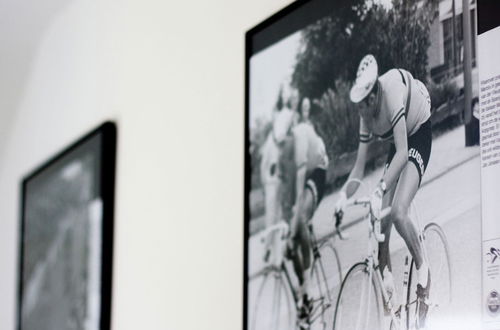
x=22 y=26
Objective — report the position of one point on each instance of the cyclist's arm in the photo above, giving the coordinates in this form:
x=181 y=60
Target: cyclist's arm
x=300 y=181
x=300 y=158
x=358 y=170
x=400 y=157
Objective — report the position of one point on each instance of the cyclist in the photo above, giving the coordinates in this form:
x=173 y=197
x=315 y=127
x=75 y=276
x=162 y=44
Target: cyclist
x=395 y=107
x=269 y=170
x=271 y=185
x=304 y=148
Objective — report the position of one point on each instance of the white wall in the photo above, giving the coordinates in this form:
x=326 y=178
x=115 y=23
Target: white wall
x=171 y=74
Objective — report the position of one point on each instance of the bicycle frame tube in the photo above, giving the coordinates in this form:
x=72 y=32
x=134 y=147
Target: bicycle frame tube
x=368 y=291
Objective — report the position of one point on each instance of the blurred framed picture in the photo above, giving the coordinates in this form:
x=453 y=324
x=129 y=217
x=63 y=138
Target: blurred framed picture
x=333 y=90
x=66 y=237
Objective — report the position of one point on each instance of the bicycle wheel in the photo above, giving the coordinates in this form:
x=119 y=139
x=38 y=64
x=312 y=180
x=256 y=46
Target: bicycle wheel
x=358 y=305
x=438 y=257
x=326 y=278
x=274 y=307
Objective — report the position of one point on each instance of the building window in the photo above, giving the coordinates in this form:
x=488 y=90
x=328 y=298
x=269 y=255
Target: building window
x=455 y=60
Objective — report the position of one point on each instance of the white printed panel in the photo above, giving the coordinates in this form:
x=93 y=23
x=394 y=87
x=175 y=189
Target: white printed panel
x=491 y=284
x=489 y=80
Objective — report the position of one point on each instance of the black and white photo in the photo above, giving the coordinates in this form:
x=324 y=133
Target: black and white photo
x=66 y=238
x=363 y=165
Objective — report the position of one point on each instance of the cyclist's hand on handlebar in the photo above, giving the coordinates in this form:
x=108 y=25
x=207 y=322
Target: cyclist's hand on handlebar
x=341 y=202
x=376 y=201
x=339 y=207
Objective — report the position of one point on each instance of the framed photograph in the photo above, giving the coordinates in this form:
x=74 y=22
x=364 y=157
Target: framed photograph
x=66 y=237
x=362 y=168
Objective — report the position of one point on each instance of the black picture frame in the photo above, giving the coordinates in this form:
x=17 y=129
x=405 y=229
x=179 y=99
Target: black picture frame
x=488 y=18
x=268 y=35
x=67 y=191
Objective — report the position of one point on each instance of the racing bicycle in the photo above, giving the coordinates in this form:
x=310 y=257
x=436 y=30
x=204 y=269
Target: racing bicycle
x=360 y=303
x=276 y=303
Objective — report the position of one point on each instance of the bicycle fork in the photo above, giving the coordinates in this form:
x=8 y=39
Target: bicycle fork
x=398 y=311
x=405 y=303
x=363 y=321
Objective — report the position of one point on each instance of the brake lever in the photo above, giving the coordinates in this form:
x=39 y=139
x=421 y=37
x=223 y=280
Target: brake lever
x=338 y=219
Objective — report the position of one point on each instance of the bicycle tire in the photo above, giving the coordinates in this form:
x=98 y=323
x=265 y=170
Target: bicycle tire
x=354 y=310
x=440 y=295
x=274 y=307
x=326 y=273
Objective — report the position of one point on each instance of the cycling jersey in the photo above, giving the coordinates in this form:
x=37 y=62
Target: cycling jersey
x=399 y=96
x=310 y=149
x=315 y=182
x=270 y=180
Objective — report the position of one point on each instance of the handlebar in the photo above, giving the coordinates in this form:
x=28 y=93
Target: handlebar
x=374 y=222
x=281 y=228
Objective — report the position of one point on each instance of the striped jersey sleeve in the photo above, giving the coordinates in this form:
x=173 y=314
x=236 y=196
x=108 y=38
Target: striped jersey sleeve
x=395 y=100
x=397 y=116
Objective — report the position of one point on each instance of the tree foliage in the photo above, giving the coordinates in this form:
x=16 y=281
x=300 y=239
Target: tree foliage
x=332 y=47
x=325 y=46
x=338 y=121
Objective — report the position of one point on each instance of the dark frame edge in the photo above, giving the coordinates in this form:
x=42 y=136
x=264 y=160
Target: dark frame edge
x=247 y=178
x=275 y=17
x=108 y=179
x=20 y=251
x=488 y=15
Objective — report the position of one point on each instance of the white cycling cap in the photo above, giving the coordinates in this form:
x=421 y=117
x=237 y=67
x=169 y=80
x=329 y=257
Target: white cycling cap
x=282 y=124
x=366 y=77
